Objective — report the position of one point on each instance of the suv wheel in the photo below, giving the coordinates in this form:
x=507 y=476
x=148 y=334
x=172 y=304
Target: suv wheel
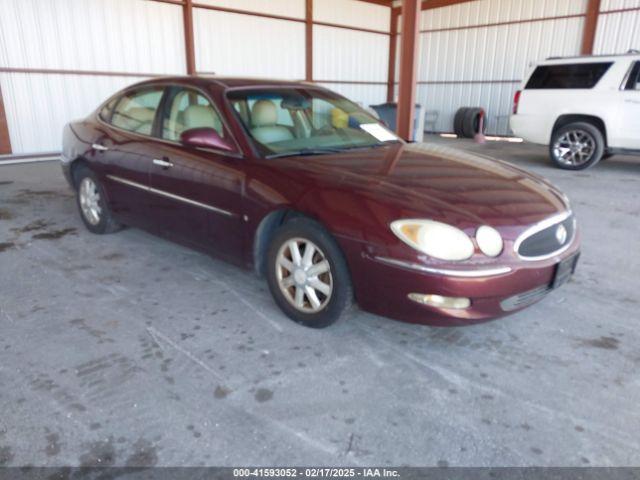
x=577 y=146
x=307 y=274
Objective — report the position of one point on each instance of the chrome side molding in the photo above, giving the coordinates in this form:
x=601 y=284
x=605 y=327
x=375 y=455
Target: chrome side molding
x=145 y=188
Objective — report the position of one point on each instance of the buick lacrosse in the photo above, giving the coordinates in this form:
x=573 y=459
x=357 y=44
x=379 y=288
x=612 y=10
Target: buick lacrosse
x=318 y=196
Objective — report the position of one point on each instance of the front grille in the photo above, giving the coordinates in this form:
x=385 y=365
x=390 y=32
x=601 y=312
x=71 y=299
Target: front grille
x=524 y=299
x=546 y=239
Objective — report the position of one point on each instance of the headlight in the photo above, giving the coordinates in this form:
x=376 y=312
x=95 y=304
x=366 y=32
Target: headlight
x=438 y=240
x=489 y=241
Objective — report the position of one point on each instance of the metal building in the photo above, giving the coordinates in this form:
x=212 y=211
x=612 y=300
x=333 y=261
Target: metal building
x=470 y=52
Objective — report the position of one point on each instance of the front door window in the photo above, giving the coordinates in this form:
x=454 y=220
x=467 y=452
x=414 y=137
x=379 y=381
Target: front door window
x=186 y=110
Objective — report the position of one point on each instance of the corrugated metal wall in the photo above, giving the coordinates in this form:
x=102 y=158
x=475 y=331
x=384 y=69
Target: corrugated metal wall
x=39 y=105
x=107 y=35
x=267 y=47
x=352 y=56
x=285 y=8
x=618 y=27
x=472 y=54
x=476 y=53
x=354 y=14
x=77 y=39
x=124 y=36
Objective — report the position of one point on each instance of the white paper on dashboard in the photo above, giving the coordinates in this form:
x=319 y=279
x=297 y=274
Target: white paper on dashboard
x=378 y=131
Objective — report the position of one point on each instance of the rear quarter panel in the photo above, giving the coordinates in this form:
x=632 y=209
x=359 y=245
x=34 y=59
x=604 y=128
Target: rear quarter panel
x=540 y=109
x=77 y=138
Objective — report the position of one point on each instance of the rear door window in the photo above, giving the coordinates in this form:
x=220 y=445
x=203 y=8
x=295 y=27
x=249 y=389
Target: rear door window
x=568 y=76
x=136 y=111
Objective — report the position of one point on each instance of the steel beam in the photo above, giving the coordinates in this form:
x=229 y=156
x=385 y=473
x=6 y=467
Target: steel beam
x=308 y=40
x=408 y=67
x=393 y=44
x=590 y=26
x=5 y=140
x=189 y=43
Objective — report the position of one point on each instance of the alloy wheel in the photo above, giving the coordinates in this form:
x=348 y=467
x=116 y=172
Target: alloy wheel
x=574 y=148
x=304 y=275
x=90 y=201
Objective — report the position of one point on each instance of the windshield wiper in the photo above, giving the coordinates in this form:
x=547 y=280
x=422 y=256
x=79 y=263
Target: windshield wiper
x=306 y=151
x=373 y=145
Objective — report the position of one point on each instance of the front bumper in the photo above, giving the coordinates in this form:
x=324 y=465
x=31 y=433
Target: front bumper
x=383 y=288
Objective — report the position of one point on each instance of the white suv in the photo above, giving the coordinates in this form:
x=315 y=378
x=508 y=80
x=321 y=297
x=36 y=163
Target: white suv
x=584 y=108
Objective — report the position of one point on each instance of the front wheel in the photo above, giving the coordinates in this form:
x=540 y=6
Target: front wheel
x=577 y=146
x=307 y=274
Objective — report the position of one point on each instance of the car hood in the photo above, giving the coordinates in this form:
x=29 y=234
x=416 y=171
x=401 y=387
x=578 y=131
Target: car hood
x=429 y=181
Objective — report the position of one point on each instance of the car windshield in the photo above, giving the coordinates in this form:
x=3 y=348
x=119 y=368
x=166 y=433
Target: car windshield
x=306 y=121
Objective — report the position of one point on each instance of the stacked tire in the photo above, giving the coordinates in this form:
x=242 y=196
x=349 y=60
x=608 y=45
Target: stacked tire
x=467 y=121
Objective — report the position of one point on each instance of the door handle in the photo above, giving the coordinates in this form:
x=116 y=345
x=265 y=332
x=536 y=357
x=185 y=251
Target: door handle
x=162 y=163
x=100 y=148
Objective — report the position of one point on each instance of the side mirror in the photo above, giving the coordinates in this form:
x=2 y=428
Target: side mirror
x=204 y=138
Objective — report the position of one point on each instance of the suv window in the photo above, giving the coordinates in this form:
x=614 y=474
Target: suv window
x=189 y=109
x=135 y=111
x=577 y=75
x=634 y=78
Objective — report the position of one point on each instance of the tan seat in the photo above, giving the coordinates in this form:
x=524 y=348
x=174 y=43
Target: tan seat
x=200 y=116
x=264 y=120
x=136 y=119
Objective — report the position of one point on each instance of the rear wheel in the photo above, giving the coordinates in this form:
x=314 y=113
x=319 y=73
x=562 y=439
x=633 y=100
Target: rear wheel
x=577 y=146
x=307 y=274
x=91 y=199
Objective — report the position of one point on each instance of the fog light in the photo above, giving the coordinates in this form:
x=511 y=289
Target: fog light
x=439 y=301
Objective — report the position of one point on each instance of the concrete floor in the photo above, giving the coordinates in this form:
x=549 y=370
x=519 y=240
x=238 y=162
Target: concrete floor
x=129 y=350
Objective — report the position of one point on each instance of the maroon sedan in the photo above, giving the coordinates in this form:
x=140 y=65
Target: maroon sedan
x=316 y=194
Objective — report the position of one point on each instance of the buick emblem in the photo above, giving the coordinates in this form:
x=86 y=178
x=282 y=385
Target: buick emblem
x=561 y=234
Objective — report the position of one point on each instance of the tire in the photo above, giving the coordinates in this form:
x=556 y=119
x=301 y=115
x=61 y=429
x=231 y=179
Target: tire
x=92 y=205
x=458 y=119
x=577 y=146
x=336 y=294
x=471 y=122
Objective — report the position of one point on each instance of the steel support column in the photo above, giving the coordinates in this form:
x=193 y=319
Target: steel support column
x=393 y=43
x=189 y=43
x=408 y=67
x=308 y=48
x=5 y=140
x=590 y=26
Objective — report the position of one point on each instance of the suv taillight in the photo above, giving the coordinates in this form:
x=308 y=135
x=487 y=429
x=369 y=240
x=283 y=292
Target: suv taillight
x=516 y=101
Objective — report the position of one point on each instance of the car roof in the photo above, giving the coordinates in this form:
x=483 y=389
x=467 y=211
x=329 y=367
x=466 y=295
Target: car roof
x=226 y=83
x=633 y=55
